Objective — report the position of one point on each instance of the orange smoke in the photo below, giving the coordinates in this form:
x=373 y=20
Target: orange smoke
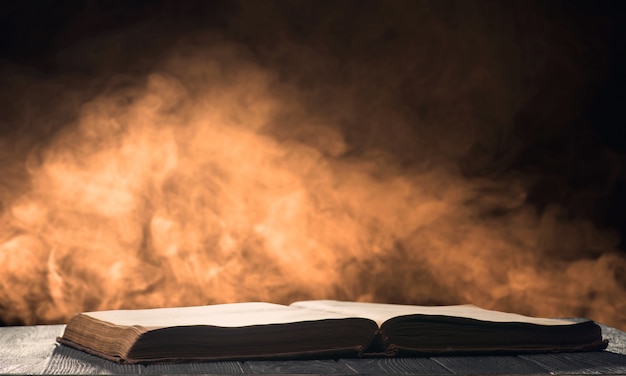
x=209 y=180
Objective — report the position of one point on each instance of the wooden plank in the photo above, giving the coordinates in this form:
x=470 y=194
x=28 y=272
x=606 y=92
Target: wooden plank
x=222 y=368
x=490 y=365
x=27 y=349
x=66 y=360
x=617 y=339
x=297 y=366
x=598 y=362
x=396 y=366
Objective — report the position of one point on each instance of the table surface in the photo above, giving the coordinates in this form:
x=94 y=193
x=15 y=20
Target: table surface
x=33 y=350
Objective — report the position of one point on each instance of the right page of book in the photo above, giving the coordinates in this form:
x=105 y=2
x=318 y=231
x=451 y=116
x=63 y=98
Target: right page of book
x=381 y=312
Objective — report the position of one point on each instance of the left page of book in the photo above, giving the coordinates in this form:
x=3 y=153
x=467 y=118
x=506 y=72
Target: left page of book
x=223 y=315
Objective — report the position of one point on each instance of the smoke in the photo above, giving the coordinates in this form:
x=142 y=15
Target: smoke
x=365 y=151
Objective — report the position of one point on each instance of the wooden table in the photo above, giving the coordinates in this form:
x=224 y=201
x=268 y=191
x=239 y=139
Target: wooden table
x=33 y=350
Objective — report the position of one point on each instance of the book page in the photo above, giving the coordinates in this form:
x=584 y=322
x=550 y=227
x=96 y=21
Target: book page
x=380 y=312
x=222 y=315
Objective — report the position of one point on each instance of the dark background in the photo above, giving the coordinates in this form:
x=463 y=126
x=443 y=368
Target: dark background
x=578 y=160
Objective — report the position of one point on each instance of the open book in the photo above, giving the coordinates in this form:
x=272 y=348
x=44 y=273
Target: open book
x=318 y=329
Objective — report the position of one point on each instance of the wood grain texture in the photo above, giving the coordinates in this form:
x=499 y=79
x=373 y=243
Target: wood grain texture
x=220 y=368
x=581 y=363
x=491 y=365
x=617 y=339
x=396 y=366
x=27 y=349
x=66 y=360
x=321 y=367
